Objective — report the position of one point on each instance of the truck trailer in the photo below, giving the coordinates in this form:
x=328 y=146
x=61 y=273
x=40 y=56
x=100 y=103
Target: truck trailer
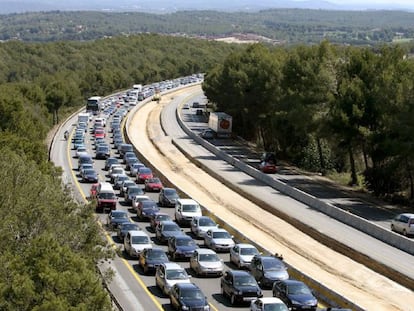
x=220 y=123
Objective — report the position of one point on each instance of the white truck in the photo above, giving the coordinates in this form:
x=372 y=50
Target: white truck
x=220 y=123
x=83 y=117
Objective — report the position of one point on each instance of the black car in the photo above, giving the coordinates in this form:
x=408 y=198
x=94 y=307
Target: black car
x=109 y=162
x=268 y=269
x=295 y=294
x=89 y=175
x=168 y=197
x=181 y=247
x=124 y=227
x=167 y=229
x=150 y=258
x=188 y=296
x=102 y=152
x=116 y=217
x=240 y=286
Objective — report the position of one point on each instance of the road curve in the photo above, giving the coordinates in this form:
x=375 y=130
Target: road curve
x=354 y=281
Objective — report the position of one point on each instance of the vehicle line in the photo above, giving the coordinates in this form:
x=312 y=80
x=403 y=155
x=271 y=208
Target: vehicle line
x=108 y=237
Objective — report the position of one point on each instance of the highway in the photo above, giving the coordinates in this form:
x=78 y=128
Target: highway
x=136 y=291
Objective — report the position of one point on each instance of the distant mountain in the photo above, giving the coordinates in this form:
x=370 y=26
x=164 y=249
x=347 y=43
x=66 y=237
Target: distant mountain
x=167 y=6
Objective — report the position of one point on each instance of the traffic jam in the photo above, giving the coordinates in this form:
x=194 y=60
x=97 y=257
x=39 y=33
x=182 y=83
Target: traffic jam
x=166 y=235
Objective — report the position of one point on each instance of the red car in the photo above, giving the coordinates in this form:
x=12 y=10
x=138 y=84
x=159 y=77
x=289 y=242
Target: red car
x=153 y=184
x=143 y=174
x=268 y=167
x=99 y=133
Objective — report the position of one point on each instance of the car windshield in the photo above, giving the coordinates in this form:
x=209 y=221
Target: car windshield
x=248 y=251
x=117 y=170
x=158 y=254
x=154 y=180
x=170 y=192
x=221 y=235
x=206 y=222
x=191 y=294
x=144 y=171
x=190 y=208
x=298 y=289
x=176 y=275
x=122 y=178
x=163 y=217
x=119 y=215
x=106 y=195
x=244 y=280
x=149 y=204
x=185 y=242
x=90 y=172
x=171 y=227
x=275 y=307
x=128 y=227
x=273 y=264
x=140 y=240
x=208 y=257
x=134 y=190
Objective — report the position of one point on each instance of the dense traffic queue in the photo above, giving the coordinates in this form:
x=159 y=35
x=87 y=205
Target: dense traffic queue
x=129 y=181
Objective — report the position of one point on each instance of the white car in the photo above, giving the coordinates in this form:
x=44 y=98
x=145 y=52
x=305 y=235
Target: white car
x=242 y=254
x=403 y=223
x=201 y=224
x=218 y=239
x=205 y=261
x=268 y=304
x=185 y=210
x=135 y=242
x=168 y=274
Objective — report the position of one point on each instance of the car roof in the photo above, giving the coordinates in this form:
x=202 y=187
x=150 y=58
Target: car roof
x=217 y=230
x=239 y=272
x=291 y=282
x=184 y=237
x=166 y=222
x=187 y=201
x=409 y=215
x=245 y=245
x=270 y=300
x=205 y=251
x=187 y=286
x=137 y=233
x=172 y=265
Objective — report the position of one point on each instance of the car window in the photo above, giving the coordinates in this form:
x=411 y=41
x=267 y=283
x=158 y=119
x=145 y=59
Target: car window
x=209 y=257
x=140 y=240
x=176 y=275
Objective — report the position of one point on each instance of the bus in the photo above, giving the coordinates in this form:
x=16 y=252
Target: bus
x=93 y=105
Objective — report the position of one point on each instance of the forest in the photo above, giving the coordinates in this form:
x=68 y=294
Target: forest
x=50 y=244
x=283 y=26
x=325 y=108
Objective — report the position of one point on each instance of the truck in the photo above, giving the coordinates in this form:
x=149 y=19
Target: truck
x=220 y=123
x=83 y=117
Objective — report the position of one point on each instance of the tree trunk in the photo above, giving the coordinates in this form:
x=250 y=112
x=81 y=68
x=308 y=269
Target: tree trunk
x=364 y=151
x=354 y=178
x=410 y=178
x=321 y=159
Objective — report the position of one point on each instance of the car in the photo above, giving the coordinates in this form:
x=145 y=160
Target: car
x=268 y=304
x=188 y=296
x=115 y=218
x=268 y=269
x=403 y=223
x=80 y=150
x=218 y=239
x=207 y=134
x=106 y=197
x=181 y=247
x=168 y=197
x=89 y=175
x=186 y=106
x=123 y=148
x=83 y=167
x=167 y=229
x=268 y=167
x=99 y=133
x=185 y=210
x=135 y=242
x=169 y=273
x=206 y=262
x=137 y=200
x=146 y=209
x=143 y=174
x=201 y=224
x=157 y=218
x=128 y=154
x=109 y=162
x=115 y=171
x=102 y=152
x=78 y=142
x=124 y=227
x=240 y=286
x=124 y=186
x=242 y=254
x=295 y=294
x=118 y=181
x=117 y=141
x=130 y=161
x=150 y=258
x=153 y=184
x=84 y=158
x=133 y=169
x=131 y=193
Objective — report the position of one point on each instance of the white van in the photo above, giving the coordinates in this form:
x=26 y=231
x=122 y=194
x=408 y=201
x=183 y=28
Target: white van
x=135 y=241
x=186 y=210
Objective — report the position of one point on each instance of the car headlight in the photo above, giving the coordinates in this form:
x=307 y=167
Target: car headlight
x=295 y=302
x=239 y=292
x=185 y=308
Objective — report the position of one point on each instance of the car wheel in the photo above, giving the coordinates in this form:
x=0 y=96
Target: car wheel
x=392 y=228
x=233 y=300
x=145 y=269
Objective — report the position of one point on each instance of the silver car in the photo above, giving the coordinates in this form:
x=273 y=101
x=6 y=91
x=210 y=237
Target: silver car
x=242 y=254
x=403 y=223
x=206 y=262
x=218 y=239
x=201 y=224
x=168 y=274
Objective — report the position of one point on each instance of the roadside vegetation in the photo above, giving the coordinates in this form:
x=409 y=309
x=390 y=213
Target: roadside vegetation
x=325 y=108
x=50 y=245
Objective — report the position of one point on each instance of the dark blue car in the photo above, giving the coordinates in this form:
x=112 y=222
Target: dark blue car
x=181 y=247
x=295 y=294
x=188 y=296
